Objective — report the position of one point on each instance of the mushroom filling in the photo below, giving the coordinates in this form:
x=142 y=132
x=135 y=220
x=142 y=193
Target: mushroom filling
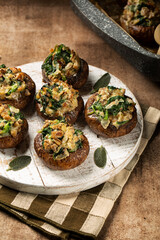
x=11 y=121
x=12 y=83
x=142 y=12
x=60 y=139
x=111 y=106
x=57 y=99
x=62 y=63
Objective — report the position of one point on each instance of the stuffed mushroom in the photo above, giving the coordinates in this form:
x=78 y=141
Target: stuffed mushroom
x=140 y=18
x=64 y=64
x=59 y=100
x=13 y=126
x=60 y=145
x=16 y=87
x=110 y=113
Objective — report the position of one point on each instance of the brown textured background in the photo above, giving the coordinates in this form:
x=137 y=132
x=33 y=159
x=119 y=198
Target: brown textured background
x=28 y=29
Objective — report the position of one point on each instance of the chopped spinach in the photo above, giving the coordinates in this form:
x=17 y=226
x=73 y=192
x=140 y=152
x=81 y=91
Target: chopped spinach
x=113 y=110
x=97 y=106
x=141 y=21
x=62 y=53
x=50 y=87
x=61 y=151
x=47 y=97
x=2 y=66
x=2 y=79
x=111 y=99
x=106 y=115
x=49 y=90
x=56 y=104
x=48 y=66
x=60 y=88
x=77 y=131
x=46 y=131
x=14 y=87
x=111 y=88
x=131 y=8
x=79 y=144
x=19 y=115
x=43 y=101
x=6 y=128
x=122 y=123
x=9 y=70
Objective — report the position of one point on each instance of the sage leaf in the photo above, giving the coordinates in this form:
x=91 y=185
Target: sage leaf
x=101 y=82
x=19 y=162
x=100 y=157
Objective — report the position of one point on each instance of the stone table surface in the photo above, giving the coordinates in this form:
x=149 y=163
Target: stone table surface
x=28 y=29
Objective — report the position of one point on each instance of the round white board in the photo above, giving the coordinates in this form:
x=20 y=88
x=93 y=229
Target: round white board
x=37 y=178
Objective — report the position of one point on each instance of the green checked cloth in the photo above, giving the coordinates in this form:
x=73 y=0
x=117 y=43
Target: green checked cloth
x=79 y=214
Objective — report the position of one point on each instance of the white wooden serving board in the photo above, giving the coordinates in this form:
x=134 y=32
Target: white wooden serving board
x=37 y=178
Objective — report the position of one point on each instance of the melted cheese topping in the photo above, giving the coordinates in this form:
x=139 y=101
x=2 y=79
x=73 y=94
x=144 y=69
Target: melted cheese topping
x=59 y=138
x=11 y=121
x=142 y=12
x=62 y=63
x=57 y=99
x=12 y=84
x=111 y=106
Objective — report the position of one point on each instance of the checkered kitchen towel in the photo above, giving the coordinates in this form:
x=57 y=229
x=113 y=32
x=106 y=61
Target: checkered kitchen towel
x=81 y=214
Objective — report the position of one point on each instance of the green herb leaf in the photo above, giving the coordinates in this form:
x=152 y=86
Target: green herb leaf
x=100 y=157
x=6 y=128
x=61 y=151
x=106 y=115
x=102 y=82
x=62 y=53
x=2 y=66
x=19 y=162
x=14 y=88
x=123 y=122
x=77 y=131
x=9 y=70
x=19 y=115
x=47 y=65
x=111 y=99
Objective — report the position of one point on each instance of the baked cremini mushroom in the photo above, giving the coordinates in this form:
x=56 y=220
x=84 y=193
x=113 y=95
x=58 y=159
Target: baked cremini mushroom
x=13 y=126
x=65 y=64
x=110 y=113
x=140 y=18
x=16 y=87
x=59 y=100
x=60 y=145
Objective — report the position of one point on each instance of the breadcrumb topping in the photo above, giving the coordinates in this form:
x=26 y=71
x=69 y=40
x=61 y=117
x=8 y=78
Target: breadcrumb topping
x=60 y=139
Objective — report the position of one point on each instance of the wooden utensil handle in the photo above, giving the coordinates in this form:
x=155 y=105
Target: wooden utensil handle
x=158 y=52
